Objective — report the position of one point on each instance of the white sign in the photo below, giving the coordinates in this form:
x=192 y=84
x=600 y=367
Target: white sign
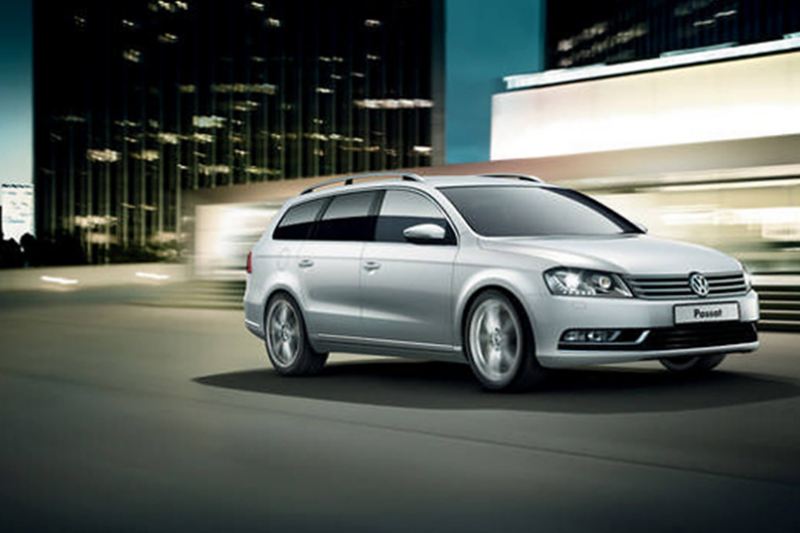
x=17 y=204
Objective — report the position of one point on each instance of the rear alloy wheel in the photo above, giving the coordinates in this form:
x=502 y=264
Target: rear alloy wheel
x=692 y=364
x=499 y=344
x=287 y=344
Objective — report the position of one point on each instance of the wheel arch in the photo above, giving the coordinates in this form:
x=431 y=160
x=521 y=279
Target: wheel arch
x=279 y=288
x=272 y=293
x=510 y=293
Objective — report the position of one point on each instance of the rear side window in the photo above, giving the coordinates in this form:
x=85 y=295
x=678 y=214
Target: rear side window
x=298 y=221
x=348 y=218
x=403 y=209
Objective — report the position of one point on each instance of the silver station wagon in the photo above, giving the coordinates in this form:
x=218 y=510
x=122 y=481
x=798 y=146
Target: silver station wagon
x=503 y=272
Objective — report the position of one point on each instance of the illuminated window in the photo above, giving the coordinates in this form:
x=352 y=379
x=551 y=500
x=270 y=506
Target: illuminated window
x=132 y=55
x=260 y=88
x=105 y=155
x=208 y=122
x=146 y=155
x=392 y=103
x=168 y=138
x=168 y=38
x=214 y=169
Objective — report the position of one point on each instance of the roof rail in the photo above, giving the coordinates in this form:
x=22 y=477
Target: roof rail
x=513 y=175
x=348 y=180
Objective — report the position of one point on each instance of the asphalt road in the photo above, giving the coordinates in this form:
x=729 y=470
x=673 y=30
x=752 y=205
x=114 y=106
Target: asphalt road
x=117 y=417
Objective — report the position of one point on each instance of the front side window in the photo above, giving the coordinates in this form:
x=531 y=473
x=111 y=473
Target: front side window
x=298 y=221
x=347 y=218
x=504 y=211
x=403 y=209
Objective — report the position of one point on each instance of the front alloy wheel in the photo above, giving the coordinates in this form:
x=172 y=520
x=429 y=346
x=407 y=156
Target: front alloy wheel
x=499 y=344
x=287 y=345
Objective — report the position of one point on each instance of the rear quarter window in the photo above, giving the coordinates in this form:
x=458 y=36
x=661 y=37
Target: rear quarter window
x=298 y=221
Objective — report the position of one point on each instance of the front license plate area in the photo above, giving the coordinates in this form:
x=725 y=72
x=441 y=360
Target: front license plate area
x=699 y=313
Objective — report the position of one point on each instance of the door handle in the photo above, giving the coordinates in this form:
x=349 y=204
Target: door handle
x=371 y=265
x=305 y=263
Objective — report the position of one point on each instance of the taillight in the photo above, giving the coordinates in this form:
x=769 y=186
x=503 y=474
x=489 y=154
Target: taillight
x=250 y=262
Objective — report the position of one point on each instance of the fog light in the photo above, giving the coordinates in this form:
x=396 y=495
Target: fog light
x=574 y=335
x=599 y=335
x=590 y=335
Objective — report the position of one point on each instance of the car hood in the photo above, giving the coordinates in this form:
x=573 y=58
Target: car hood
x=629 y=254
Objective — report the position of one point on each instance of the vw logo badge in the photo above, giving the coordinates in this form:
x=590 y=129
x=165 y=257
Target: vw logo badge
x=699 y=284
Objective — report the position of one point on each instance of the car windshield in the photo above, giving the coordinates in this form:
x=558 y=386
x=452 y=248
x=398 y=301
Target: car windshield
x=510 y=211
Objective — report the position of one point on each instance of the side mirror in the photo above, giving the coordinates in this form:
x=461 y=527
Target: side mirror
x=422 y=233
x=641 y=227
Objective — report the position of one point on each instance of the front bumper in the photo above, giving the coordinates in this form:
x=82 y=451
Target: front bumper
x=254 y=328
x=556 y=314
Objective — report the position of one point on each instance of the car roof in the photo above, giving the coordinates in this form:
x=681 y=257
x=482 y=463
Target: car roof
x=424 y=182
x=479 y=180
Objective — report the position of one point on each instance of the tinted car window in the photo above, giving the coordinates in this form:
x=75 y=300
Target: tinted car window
x=403 y=209
x=298 y=221
x=534 y=211
x=347 y=218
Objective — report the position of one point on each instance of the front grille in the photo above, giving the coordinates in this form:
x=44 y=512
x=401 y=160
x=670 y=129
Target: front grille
x=677 y=286
x=678 y=338
x=700 y=336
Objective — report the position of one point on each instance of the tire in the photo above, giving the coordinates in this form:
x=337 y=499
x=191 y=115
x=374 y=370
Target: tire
x=499 y=344
x=689 y=364
x=286 y=339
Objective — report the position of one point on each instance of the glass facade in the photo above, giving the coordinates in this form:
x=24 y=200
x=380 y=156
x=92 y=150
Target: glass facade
x=585 y=33
x=137 y=101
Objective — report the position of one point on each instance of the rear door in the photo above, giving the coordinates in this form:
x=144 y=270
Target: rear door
x=288 y=240
x=406 y=288
x=329 y=265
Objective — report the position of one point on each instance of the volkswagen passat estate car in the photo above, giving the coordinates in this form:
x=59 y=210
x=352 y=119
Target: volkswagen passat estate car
x=504 y=272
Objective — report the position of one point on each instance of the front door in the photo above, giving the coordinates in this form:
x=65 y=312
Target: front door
x=406 y=287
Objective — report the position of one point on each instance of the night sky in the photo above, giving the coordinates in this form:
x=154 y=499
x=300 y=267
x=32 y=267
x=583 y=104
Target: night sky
x=16 y=91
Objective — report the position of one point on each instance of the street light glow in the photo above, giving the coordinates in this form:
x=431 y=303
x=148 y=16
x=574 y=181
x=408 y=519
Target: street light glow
x=59 y=280
x=152 y=275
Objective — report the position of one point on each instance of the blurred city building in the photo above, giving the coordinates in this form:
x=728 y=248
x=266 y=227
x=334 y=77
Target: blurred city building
x=185 y=118
x=683 y=114
x=138 y=101
x=694 y=130
x=141 y=103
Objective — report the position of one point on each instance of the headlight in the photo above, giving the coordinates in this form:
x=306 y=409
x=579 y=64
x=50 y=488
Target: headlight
x=578 y=282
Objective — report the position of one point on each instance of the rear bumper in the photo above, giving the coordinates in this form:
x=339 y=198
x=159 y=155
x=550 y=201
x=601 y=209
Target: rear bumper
x=653 y=318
